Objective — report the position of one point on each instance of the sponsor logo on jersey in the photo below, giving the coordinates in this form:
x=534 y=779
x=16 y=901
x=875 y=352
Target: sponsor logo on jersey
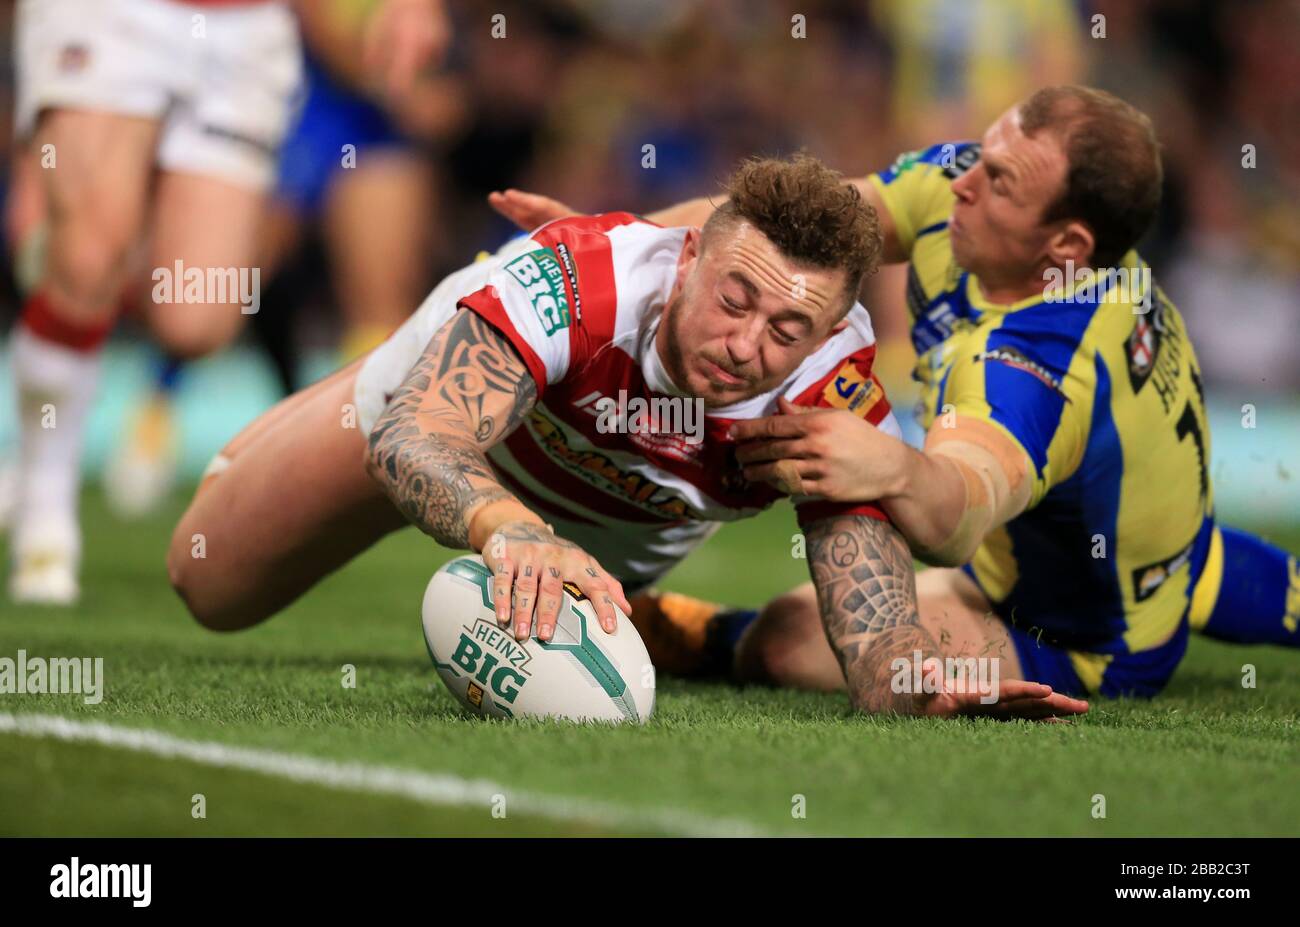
x=602 y=472
x=542 y=278
x=1014 y=358
x=1147 y=579
x=903 y=163
x=852 y=390
x=1155 y=354
x=1143 y=345
x=571 y=274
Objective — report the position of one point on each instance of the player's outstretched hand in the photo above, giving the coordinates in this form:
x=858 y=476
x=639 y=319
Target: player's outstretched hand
x=529 y=566
x=527 y=210
x=1016 y=698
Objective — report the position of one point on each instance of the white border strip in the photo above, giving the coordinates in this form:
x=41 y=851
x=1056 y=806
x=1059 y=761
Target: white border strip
x=426 y=788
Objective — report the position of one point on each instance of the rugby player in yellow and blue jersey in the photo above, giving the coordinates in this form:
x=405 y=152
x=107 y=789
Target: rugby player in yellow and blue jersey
x=1063 y=494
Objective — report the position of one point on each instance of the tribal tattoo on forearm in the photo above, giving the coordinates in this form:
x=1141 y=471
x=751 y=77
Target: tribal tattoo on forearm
x=468 y=391
x=866 y=592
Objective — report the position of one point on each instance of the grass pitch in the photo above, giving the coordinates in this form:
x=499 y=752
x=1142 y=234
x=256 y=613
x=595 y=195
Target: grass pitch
x=395 y=756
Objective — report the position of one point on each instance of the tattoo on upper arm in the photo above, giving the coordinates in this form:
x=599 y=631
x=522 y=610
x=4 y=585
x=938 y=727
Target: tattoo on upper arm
x=468 y=391
x=866 y=591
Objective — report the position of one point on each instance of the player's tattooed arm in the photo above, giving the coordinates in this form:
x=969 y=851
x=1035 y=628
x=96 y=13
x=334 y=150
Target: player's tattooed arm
x=468 y=391
x=866 y=591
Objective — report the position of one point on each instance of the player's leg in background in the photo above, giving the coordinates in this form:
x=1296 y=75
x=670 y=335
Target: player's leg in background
x=217 y=158
x=1249 y=592
x=96 y=189
x=201 y=225
x=141 y=471
x=209 y=225
x=375 y=221
x=26 y=231
x=287 y=502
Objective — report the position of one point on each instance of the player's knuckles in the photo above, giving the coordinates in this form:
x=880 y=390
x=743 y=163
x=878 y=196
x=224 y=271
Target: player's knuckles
x=548 y=607
x=528 y=575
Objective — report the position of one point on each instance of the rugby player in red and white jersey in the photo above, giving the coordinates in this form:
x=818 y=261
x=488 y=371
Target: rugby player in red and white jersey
x=489 y=421
x=154 y=122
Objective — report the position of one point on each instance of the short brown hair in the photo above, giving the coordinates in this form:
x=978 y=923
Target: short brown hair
x=807 y=211
x=1114 y=174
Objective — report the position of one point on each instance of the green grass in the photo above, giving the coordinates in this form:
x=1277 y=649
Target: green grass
x=1208 y=757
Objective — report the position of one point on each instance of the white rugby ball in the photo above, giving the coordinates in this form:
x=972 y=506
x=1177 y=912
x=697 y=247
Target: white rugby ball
x=581 y=673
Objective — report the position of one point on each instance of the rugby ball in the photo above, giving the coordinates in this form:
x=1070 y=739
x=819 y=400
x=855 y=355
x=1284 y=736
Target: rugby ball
x=581 y=673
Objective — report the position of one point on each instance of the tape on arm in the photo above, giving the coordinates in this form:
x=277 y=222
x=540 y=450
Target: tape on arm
x=995 y=471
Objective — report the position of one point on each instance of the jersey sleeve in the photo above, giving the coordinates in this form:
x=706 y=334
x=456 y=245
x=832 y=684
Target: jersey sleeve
x=852 y=386
x=1020 y=383
x=917 y=187
x=525 y=299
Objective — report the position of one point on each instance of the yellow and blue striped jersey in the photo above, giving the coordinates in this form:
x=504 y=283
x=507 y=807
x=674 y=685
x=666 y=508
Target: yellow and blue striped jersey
x=1106 y=403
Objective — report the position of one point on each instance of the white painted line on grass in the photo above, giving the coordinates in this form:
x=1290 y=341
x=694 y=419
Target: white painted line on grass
x=426 y=788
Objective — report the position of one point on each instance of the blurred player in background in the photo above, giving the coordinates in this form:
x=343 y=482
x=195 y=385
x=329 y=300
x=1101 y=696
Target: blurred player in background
x=357 y=162
x=156 y=125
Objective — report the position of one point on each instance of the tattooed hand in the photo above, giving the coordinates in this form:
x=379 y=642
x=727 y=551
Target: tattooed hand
x=866 y=592
x=530 y=564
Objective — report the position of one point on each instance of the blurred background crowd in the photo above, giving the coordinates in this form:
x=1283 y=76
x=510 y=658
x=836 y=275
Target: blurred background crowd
x=568 y=99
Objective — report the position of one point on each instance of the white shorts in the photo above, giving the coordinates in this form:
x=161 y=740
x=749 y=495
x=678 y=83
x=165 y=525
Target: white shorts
x=221 y=80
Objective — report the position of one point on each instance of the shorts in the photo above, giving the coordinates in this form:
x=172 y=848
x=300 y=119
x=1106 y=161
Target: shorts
x=1113 y=675
x=332 y=116
x=222 y=81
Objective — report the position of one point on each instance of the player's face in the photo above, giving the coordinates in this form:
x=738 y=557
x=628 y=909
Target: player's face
x=996 y=230
x=742 y=316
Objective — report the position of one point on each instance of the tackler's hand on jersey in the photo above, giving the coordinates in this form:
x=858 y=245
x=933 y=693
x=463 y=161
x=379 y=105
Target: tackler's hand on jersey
x=530 y=566
x=828 y=453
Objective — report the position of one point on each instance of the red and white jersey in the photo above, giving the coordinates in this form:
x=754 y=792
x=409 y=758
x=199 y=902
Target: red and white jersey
x=581 y=299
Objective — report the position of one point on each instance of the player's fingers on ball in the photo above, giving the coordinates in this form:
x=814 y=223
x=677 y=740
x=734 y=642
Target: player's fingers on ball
x=503 y=576
x=550 y=595
x=595 y=585
x=525 y=597
x=603 y=602
x=620 y=597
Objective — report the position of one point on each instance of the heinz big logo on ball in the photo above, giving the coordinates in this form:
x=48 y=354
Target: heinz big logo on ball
x=491 y=658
